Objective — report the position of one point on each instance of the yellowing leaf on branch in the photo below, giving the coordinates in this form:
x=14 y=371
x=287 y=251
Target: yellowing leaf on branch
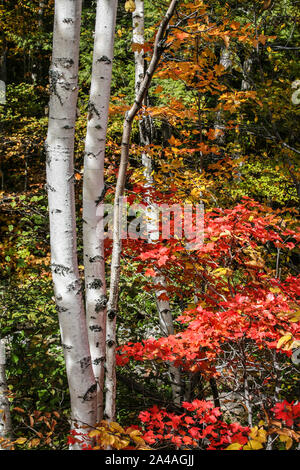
x=258 y=434
x=288 y=441
x=136 y=437
x=234 y=446
x=284 y=340
x=253 y=445
x=94 y=433
x=20 y=440
x=116 y=427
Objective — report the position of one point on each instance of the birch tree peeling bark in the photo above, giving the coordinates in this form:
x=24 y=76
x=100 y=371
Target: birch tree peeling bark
x=112 y=308
x=94 y=189
x=60 y=185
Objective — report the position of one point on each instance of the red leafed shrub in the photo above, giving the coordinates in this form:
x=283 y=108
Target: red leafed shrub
x=287 y=412
x=242 y=297
x=241 y=329
x=200 y=427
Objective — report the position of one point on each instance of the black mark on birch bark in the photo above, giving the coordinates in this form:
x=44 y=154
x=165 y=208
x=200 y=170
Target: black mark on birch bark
x=89 y=395
x=74 y=285
x=112 y=314
x=102 y=195
x=95 y=328
x=65 y=62
x=101 y=304
x=96 y=258
x=98 y=360
x=104 y=59
x=60 y=269
x=48 y=186
x=84 y=363
x=54 y=77
x=165 y=311
x=61 y=309
x=92 y=109
x=95 y=284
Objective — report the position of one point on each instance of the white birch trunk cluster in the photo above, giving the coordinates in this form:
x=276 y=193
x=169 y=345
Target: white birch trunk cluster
x=61 y=199
x=88 y=338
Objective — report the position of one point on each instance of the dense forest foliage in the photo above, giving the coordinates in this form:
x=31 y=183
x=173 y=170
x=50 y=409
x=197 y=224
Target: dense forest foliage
x=207 y=340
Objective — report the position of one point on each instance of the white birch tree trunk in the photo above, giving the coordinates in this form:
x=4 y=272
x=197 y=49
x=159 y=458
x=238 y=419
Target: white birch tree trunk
x=94 y=189
x=152 y=224
x=5 y=419
x=60 y=185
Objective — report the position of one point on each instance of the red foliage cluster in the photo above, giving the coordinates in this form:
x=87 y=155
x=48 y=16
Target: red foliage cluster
x=252 y=305
x=253 y=315
x=201 y=427
x=287 y=412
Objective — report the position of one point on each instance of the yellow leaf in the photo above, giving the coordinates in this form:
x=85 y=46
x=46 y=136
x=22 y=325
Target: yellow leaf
x=135 y=432
x=20 y=440
x=235 y=446
x=221 y=272
x=135 y=436
x=130 y=6
x=257 y=434
x=121 y=443
x=284 y=339
x=94 y=433
x=116 y=427
x=253 y=445
x=287 y=440
x=295 y=319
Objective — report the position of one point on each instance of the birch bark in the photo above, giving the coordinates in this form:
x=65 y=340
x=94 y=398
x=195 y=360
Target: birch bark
x=94 y=189
x=60 y=185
